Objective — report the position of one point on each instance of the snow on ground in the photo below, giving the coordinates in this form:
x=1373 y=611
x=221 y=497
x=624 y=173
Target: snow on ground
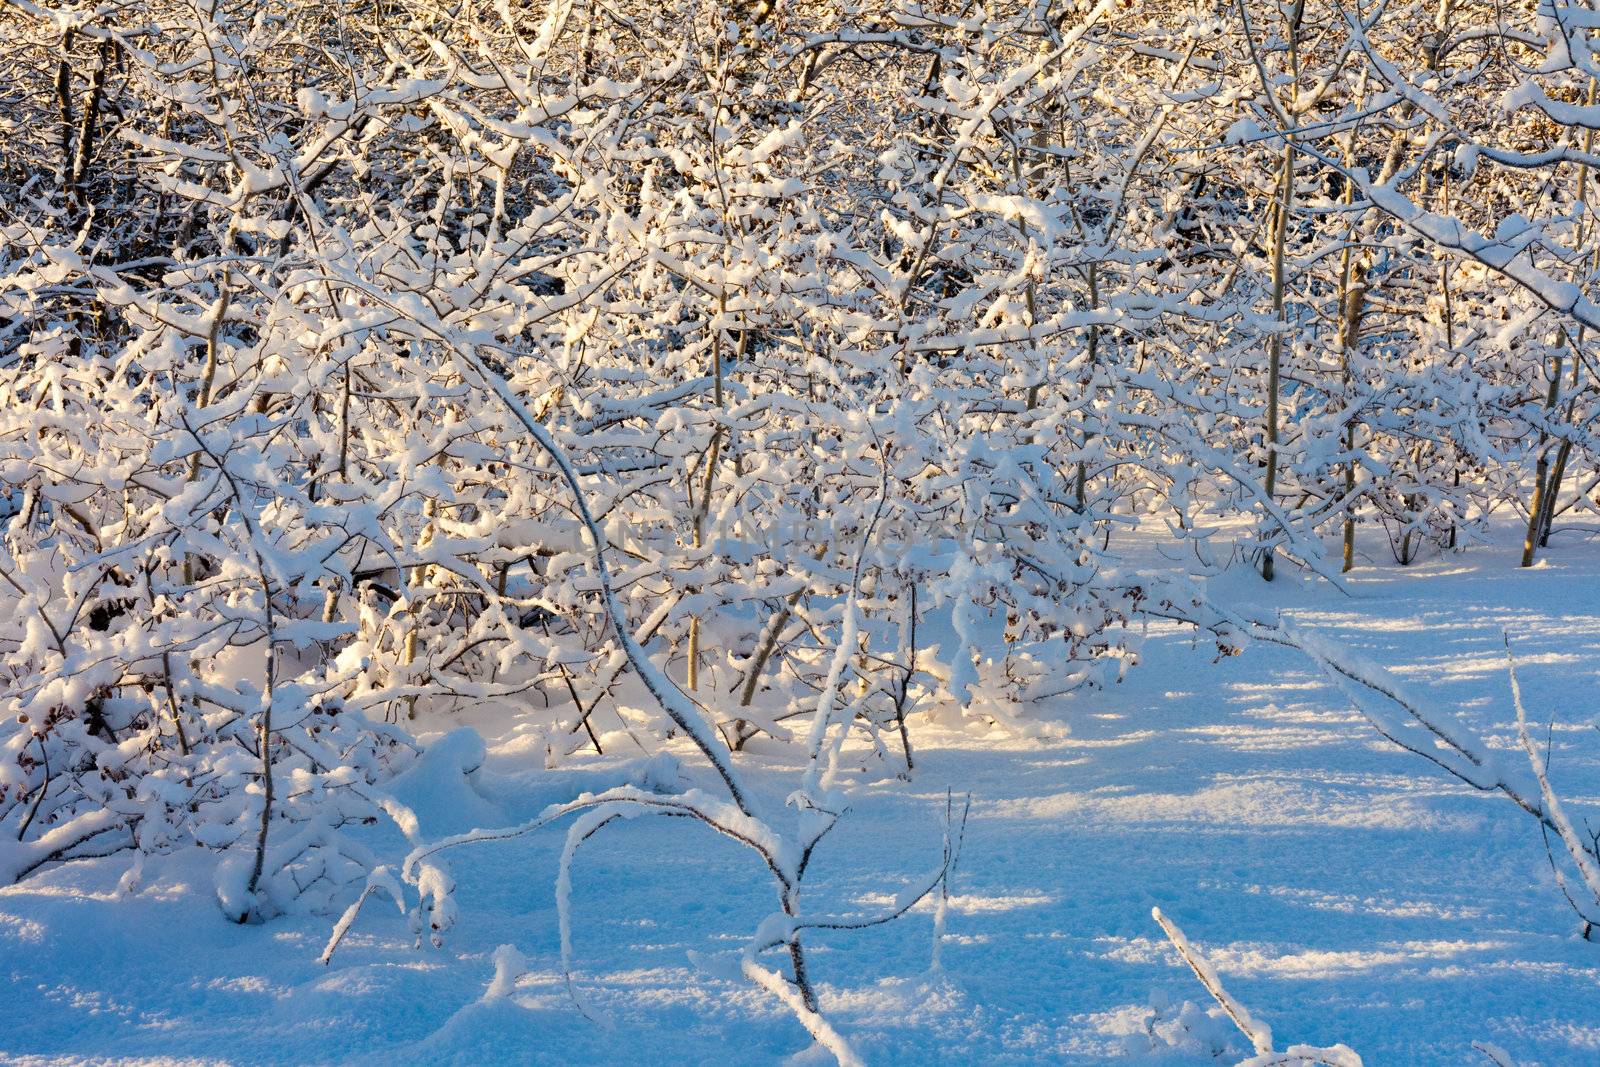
x=1343 y=889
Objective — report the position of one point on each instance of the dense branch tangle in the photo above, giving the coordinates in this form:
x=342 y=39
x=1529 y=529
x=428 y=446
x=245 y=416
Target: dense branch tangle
x=364 y=362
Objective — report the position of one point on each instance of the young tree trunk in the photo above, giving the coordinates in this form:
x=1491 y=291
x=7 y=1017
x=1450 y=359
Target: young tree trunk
x=1354 y=307
x=1553 y=490
x=83 y=151
x=1530 y=540
x=1275 y=344
x=63 y=89
x=1081 y=482
x=1280 y=236
x=713 y=453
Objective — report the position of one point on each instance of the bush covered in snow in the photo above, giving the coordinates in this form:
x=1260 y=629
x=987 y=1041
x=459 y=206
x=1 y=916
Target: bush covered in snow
x=757 y=375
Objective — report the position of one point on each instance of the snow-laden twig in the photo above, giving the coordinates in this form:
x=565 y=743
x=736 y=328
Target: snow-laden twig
x=1257 y=1032
x=1418 y=729
x=1443 y=741
x=817 y=1026
x=1555 y=815
x=380 y=880
x=1495 y=1054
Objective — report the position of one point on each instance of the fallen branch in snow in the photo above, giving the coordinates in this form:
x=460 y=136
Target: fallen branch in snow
x=1447 y=744
x=381 y=879
x=1583 y=856
x=1495 y=1054
x=1258 y=1032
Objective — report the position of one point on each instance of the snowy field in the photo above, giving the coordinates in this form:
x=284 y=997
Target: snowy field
x=1345 y=890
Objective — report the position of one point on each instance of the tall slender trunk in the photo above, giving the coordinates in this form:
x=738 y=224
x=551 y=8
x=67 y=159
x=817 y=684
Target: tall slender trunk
x=63 y=88
x=1275 y=343
x=1541 y=469
x=713 y=453
x=264 y=740
x=1285 y=205
x=1552 y=491
x=1080 y=488
x=1449 y=326
x=1352 y=305
x=83 y=151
